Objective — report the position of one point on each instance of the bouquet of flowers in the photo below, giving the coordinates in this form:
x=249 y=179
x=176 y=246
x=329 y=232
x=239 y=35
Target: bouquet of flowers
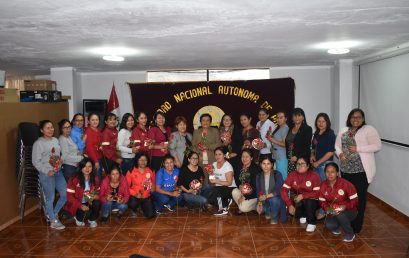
x=134 y=143
x=195 y=185
x=260 y=204
x=209 y=169
x=246 y=189
x=202 y=144
x=147 y=184
x=117 y=197
x=89 y=194
x=226 y=136
x=257 y=144
x=290 y=150
x=55 y=160
x=314 y=145
x=269 y=132
x=148 y=142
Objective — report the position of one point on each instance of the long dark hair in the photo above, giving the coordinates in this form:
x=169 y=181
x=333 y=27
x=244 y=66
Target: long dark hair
x=61 y=124
x=75 y=117
x=108 y=116
x=326 y=118
x=278 y=127
x=125 y=120
x=351 y=114
x=80 y=175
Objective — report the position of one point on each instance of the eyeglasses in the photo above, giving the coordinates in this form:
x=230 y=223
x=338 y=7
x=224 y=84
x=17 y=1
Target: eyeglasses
x=301 y=164
x=194 y=158
x=66 y=127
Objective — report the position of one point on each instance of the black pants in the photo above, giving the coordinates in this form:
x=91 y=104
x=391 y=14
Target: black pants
x=220 y=196
x=91 y=214
x=306 y=209
x=361 y=184
x=145 y=204
x=156 y=163
x=107 y=164
x=342 y=220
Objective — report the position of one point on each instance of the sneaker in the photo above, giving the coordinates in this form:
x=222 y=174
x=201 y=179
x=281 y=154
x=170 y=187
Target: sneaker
x=268 y=217
x=56 y=224
x=349 y=237
x=221 y=212
x=273 y=221
x=336 y=232
x=167 y=206
x=311 y=228
x=303 y=220
x=79 y=223
x=159 y=212
x=92 y=224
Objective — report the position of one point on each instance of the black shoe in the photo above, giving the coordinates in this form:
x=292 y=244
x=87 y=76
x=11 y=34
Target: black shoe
x=104 y=220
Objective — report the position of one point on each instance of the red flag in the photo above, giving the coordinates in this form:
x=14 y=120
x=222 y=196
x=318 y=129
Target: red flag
x=113 y=102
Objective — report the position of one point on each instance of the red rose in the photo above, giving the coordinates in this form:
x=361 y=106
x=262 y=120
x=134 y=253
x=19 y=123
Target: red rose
x=292 y=146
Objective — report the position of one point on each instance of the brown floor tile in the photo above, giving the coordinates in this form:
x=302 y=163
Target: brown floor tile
x=299 y=233
x=203 y=222
x=375 y=232
x=266 y=234
x=195 y=248
x=102 y=234
x=69 y=233
x=200 y=234
x=233 y=234
x=232 y=221
x=17 y=246
x=236 y=249
x=117 y=249
x=174 y=223
x=357 y=247
x=387 y=246
x=27 y=232
x=89 y=248
x=313 y=248
x=159 y=249
x=131 y=235
x=275 y=249
x=50 y=247
x=398 y=230
x=165 y=235
x=139 y=222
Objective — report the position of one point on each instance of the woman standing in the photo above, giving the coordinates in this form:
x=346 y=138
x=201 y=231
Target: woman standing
x=269 y=184
x=140 y=133
x=277 y=138
x=114 y=194
x=224 y=183
x=141 y=181
x=323 y=144
x=245 y=195
x=77 y=132
x=232 y=143
x=339 y=199
x=266 y=128
x=181 y=141
x=167 y=194
x=205 y=140
x=46 y=159
x=304 y=186
x=124 y=143
x=160 y=134
x=109 y=142
x=298 y=140
x=355 y=146
x=191 y=182
x=69 y=150
x=83 y=195
x=249 y=133
x=93 y=141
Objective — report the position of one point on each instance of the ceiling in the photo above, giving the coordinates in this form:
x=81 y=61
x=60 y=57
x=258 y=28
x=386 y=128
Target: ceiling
x=38 y=35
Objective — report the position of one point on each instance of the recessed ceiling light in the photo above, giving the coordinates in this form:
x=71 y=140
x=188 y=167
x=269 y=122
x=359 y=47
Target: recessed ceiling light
x=338 y=51
x=338 y=44
x=113 y=58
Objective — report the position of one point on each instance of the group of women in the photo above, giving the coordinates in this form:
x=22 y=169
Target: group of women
x=268 y=168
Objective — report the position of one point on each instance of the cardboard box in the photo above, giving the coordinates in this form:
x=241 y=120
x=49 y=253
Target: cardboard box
x=31 y=85
x=9 y=98
x=40 y=96
x=8 y=92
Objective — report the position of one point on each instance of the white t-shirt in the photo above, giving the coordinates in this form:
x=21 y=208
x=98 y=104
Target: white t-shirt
x=263 y=131
x=220 y=173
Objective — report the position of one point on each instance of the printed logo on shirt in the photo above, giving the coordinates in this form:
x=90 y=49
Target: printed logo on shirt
x=175 y=178
x=295 y=183
x=308 y=183
x=148 y=175
x=341 y=192
x=326 y=193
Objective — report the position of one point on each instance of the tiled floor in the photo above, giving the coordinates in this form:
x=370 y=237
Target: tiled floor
x=183 y=234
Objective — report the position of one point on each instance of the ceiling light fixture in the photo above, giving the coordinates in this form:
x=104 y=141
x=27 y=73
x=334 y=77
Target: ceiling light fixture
x=113 y=58
x=338 y=51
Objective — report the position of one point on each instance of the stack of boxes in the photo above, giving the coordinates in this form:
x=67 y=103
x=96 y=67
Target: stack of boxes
x=9 y=95
x=40 y=91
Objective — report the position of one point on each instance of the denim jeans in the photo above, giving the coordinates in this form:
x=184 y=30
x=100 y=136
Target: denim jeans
x=106 y=208
x=69 y=171
x=49 y=185
x=194 y=200
x=162 y=199
x=271 y=207
x=282 y=166
x=342 y=220
x=127 y=165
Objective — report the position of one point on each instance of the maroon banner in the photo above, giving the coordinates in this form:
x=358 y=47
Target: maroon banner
x=191 y=99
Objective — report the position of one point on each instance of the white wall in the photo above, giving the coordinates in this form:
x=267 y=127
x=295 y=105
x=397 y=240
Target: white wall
x=99 y=85
x=313 y=88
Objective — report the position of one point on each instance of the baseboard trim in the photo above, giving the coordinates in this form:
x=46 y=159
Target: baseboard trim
x=386 y=207
x=17 y=218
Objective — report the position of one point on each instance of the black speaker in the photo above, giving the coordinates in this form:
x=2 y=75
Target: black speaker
x=98 y=106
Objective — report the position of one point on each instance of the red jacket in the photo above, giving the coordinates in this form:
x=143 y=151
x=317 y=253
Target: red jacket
x=142 y=135
x=307 y=184
x=106 y=189
x=342 y=193
x=141 y=182
x=75 y=193
x=156 y=134
x=110 y=135
x=92 y=144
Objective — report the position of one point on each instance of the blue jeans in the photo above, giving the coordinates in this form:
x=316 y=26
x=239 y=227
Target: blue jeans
x=69 y=171
x=163 y=199
x=127 y=165
x=342 y=220
x=194 y=200
x=272 y=207
x=282 y=167
x=49 y=185
x=106 y=208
